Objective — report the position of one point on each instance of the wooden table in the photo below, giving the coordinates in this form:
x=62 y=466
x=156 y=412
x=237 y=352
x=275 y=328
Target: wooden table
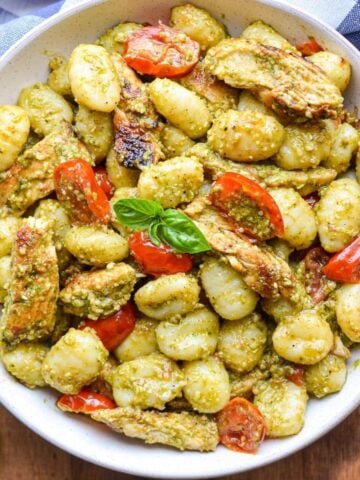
x=25 y=456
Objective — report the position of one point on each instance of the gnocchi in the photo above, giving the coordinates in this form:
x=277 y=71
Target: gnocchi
x=207 y=386
x=119 y=175
x=249 y=333
x=263 y=33
x=327 y=376
x=181 y=107
x=348 y=310
x=304 y=338
x=95 y=245
x=93 y=79
x=168 y=296
x=283 y=405
x=171 y=182
x=140 y=342
x=304 y=147
x=195 y=336
x=300 y=227
x=46 y=108
x=95 y=130
x=147 y=382
x=175 y=141
x=74 y=361
x=338 y=214
x=198 y=24
x=14 y=132
x=25 y=363
x=245 y=136
x=337 y=68
x=58 y=78
x=226 y=290
x=343 y=148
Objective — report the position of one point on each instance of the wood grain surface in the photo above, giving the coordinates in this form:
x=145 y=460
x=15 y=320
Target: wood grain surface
x=25 y=456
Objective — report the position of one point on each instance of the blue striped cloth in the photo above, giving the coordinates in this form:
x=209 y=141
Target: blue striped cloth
x=19 y=16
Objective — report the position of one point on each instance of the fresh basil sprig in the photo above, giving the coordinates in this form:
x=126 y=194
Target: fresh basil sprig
x=169 y=226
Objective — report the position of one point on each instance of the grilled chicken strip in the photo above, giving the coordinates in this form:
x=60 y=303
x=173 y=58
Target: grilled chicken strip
x=30 y=306
x=267 y=175
x=290 y=85
x=217 y=93
x=183 y=430
x=31 y=177
x=136 y=122
x=135 y=146
x=262 y=270
x=99 y=292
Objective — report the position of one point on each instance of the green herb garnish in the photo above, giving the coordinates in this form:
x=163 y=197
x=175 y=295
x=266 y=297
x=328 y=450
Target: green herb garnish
x=169 y=226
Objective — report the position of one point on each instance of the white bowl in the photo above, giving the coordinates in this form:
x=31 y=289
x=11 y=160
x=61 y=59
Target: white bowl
x=25 y=64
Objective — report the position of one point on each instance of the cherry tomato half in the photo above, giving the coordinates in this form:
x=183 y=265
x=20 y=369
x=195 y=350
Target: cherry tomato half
x=155 y=260
x=161 y=51
x=314 y=261
x=344 y=266
x=249 y=204
x=76 y=188
x=241 y=426
x=310 y=47
x=103 y=181
x=112 y=330
x=86 y=401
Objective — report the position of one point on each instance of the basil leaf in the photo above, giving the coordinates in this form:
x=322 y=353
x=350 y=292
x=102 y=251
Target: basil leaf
x=153 y=232
x=181 y=233
x=137 y=213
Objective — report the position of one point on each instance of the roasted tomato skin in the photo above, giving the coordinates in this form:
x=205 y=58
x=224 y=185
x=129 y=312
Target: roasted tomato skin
x=77 y=189
x=310 y=47
x=230 y=189
x=344 y=266
x=241 y=426
x=112 y=330
x=103 y=181
x=155 y=260
x=314 y=260
x=161 y=51
x=86 y=401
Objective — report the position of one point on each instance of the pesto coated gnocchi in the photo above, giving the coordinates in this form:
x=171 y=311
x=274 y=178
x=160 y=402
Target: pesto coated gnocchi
x=180 y=231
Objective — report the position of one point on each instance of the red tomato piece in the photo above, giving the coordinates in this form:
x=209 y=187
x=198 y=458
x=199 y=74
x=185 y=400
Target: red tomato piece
x=241 y=425
x=249 y=204
x=155 y=260
x=344 y=266
x=310 y=47
x=161 y=51
x=103 y=181
x=112 y=330
x=86 y=401
x=297 y=376
x=76 y=188
x=314 y=260
x=312 y=199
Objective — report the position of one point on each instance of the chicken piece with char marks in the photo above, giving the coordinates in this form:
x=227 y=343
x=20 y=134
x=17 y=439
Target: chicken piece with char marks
x=30 y=178
x=262 y=270
x=290 y=85
x=30 y=306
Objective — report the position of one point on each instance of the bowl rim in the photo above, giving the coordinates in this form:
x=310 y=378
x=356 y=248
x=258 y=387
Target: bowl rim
x=46 y=434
